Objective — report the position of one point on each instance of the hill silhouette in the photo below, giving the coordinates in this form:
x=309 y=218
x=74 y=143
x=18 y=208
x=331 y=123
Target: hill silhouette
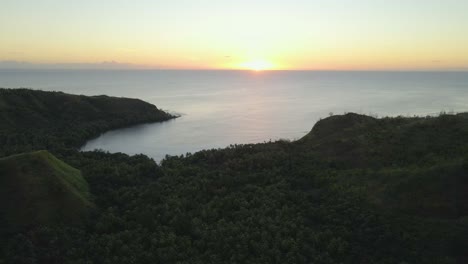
x=34 y=119
x=412 y=165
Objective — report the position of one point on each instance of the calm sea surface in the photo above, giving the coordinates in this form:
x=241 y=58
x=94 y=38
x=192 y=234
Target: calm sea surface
x=220 y=108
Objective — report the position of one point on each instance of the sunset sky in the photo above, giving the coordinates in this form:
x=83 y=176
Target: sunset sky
x=222 y=34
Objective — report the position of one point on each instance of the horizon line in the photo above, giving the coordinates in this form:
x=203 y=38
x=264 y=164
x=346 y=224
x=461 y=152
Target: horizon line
x=243 y=70
x=115 y=65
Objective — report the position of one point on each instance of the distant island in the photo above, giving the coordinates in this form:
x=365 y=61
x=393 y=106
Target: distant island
x=355 y=189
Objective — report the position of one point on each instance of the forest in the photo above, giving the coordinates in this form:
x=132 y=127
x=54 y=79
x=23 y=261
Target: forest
x=355 y=189
x=34 y=119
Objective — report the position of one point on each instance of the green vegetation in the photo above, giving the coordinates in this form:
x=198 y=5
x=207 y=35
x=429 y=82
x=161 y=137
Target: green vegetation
x=416 y=165
x=38 y=189
x=354 y=190
x=32 y=120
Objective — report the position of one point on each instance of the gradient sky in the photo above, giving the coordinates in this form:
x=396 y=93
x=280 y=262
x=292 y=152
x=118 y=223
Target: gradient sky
x=221 y=34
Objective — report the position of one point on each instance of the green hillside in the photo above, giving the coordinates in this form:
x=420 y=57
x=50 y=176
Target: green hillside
x=356 y=189
x=33 y=119
x=415 y=165
x=38 y=189
x=358 y=140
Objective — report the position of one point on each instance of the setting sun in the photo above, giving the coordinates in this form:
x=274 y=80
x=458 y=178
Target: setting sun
x=257 y=65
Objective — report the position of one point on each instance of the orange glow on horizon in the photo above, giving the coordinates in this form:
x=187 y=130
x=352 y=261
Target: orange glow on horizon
x=275 y=35
x=257 y=65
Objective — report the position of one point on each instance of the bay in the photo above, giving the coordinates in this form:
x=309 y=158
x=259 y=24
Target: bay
x=219 y=108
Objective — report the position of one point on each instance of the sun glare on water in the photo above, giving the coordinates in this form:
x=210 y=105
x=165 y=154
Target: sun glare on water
x=257 y=65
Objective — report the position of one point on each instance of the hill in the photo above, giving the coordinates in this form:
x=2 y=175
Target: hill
x=412 y=165
x=356 y=189
x=38 y=189
x=33 y=119
x=358 y=140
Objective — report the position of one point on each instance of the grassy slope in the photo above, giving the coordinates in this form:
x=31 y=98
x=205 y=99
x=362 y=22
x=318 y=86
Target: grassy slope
x=36 y=188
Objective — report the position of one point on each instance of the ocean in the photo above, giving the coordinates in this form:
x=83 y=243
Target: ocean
x=219 y=108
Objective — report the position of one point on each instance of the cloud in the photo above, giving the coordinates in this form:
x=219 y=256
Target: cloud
x=18 y=65
x=13 y=64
